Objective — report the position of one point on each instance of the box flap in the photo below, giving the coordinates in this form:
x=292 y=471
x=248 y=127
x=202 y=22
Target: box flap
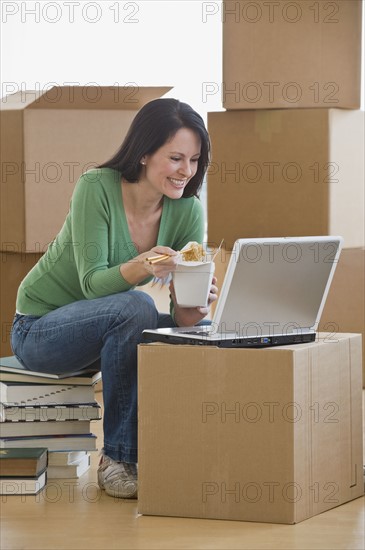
x=19 y=100
x=130 y=98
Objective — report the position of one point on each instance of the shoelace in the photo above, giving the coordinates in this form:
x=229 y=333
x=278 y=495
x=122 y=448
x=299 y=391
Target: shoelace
x=131 y=469
x=114 y=471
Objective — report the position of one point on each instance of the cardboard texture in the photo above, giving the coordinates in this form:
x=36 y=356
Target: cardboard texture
x=160 y=295
x=271 y=435
x=47 y=141
x=344 y=310
x=278 y=173
x=13 y=269
x=291 y=54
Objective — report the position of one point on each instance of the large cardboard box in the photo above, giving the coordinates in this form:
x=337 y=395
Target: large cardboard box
x=291 y=54
x=160 y=294
x=47 y=140
x=268 y=435
x=13 y=268
x=277 y=173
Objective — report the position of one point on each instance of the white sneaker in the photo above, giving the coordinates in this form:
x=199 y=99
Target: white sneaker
x=118 y=479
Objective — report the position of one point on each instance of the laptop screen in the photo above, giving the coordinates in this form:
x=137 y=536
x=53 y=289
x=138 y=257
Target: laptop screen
x=276 y=285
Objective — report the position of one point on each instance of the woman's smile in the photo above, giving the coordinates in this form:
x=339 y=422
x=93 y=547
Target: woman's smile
x=177 y=182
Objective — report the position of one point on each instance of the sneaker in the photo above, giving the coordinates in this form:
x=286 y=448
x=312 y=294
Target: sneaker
x=118 y=479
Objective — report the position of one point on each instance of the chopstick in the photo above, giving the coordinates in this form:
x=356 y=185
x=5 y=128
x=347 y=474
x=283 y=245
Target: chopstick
x=218 y=249
x=161 y=257
x=155 y=259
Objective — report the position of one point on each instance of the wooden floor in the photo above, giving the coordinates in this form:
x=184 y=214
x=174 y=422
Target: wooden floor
x=76 y=514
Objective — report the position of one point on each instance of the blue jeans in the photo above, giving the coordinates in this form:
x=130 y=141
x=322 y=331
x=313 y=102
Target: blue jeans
x=103 y=334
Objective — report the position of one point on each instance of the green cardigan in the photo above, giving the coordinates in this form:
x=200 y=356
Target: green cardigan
x=83 y=261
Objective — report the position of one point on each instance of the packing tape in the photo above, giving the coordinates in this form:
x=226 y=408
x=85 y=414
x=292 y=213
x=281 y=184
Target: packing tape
x=267 y=123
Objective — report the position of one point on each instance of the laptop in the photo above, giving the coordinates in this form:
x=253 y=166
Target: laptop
x=273 y=294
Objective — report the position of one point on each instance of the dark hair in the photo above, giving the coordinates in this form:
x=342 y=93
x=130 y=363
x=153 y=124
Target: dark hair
x=155 y=124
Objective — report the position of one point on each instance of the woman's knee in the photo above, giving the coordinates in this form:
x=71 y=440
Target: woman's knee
x=139 y=306
x=145 y=308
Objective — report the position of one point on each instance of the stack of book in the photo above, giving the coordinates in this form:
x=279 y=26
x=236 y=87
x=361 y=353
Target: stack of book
x=68 y=464
x=22 y=471
x=49 y=411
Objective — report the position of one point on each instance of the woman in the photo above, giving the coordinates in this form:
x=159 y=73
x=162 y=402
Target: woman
x=77 y=308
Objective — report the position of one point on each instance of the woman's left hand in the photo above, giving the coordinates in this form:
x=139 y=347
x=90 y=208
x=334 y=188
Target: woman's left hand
x=190 y=316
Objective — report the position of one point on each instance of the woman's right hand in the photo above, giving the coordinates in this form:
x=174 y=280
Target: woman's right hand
x=139 y=268
x=161 y=268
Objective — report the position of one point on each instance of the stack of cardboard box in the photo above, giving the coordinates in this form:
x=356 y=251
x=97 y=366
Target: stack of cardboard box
x=48 y=139
x=288 y=154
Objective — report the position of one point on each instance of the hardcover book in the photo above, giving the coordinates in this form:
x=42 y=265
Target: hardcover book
x=73 y=470
x=12 y=393
x=20 y=462
x=83 y=442
x=12 y=366
x=65 y=458
x=44 y=413
x=23 y=486
x=20 y=429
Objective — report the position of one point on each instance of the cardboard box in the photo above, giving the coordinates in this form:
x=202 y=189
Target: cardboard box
x=277 y=173
x=13 y=269
x=159 y=293
x=291 y=54
x=268 y=435
x=47 y=140
x=345 y=305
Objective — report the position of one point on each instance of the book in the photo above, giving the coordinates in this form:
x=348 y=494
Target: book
x=64 y=458
x=73 y=470
x=81 y=380
x=19 y=429
x=73 y=442
x=11 y=366
x=23 y=486
x=44 y=413
x=13 y=393
x=30 y=462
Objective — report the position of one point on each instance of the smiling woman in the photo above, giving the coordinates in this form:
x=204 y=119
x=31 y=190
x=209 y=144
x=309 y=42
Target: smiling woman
x=163 y=126
x=142 y=203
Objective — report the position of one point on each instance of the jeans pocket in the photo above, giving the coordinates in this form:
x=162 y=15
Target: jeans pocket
x=24 y=322
x=20 y=328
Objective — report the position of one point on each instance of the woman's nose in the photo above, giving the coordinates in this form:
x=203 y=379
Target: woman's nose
x=186 y=169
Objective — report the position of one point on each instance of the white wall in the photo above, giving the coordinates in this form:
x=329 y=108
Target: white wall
x=113 y=42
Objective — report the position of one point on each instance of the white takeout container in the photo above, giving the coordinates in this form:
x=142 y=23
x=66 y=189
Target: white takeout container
x=192 y=282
